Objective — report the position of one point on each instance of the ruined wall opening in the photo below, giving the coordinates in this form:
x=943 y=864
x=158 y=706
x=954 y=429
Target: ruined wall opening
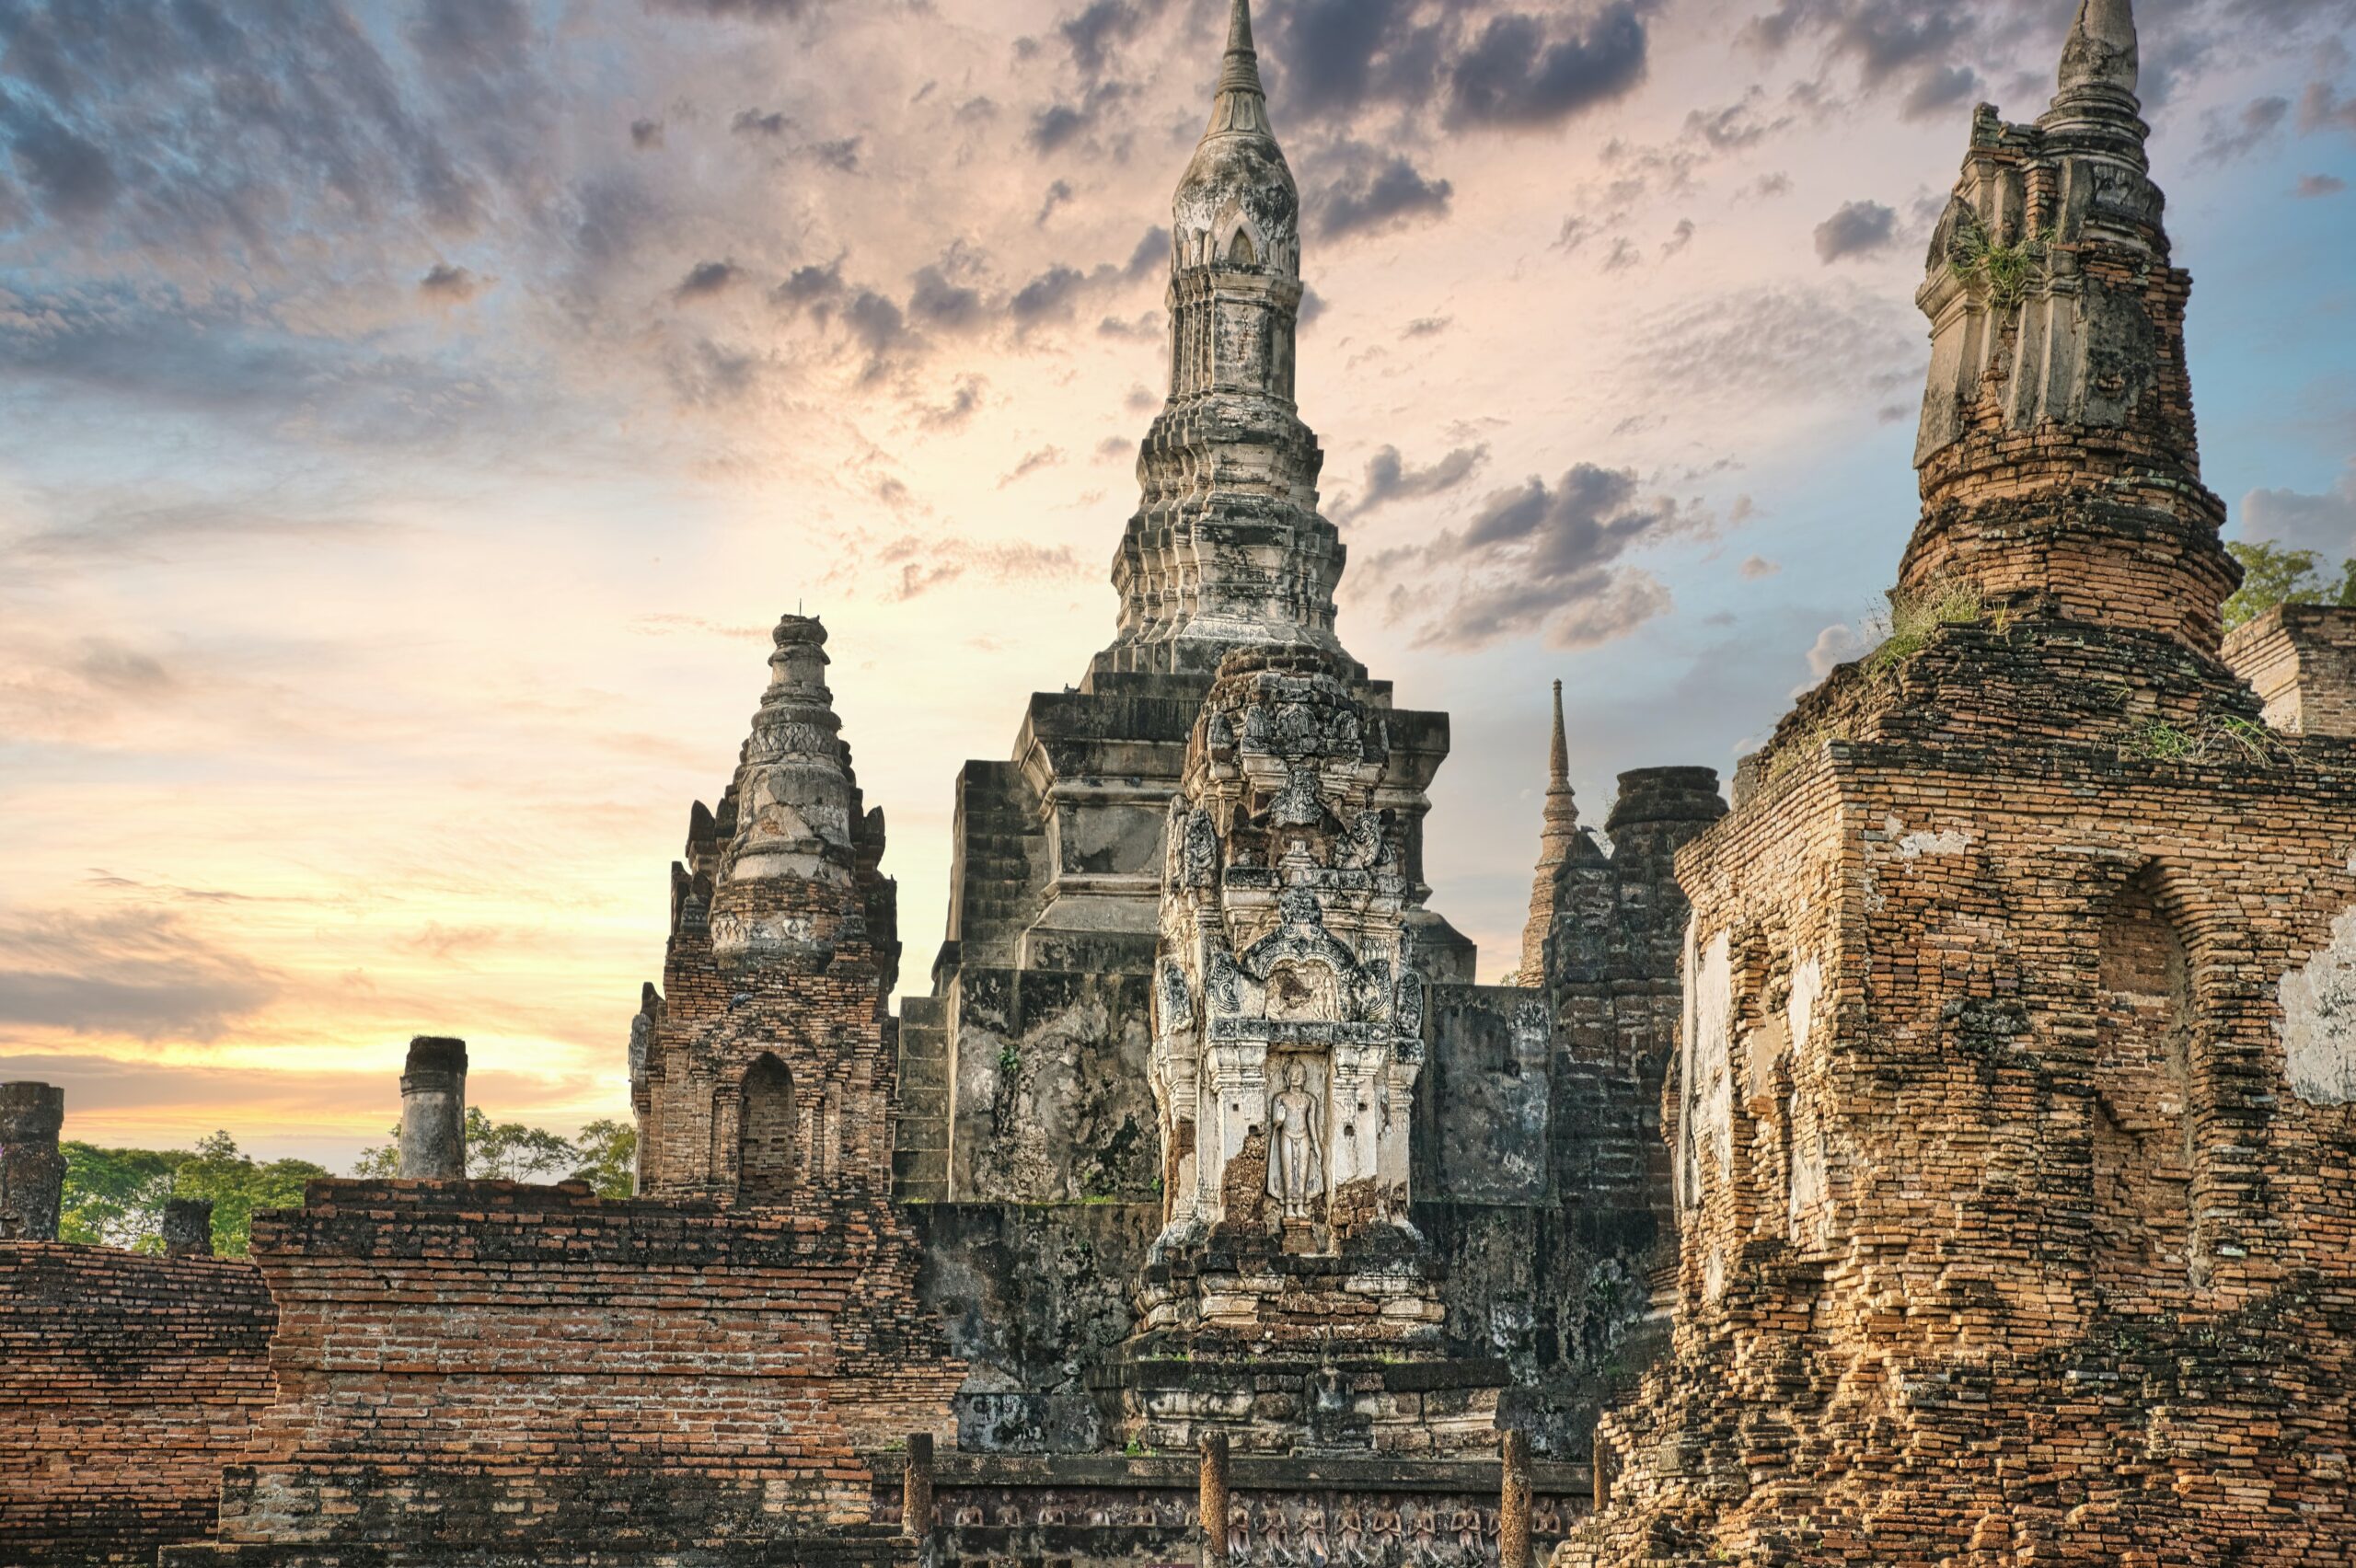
x=2143 y=1079
x=765 y=1153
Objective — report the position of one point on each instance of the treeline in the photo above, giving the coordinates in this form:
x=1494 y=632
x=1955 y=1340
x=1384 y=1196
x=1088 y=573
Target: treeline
x=114 y=1197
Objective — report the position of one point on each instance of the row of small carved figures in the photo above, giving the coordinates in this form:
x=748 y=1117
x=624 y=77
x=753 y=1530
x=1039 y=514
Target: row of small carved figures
x=1303 y=1534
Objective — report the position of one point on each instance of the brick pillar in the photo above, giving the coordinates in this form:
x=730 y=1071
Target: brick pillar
x=188 y=1227
x=434 y=1111
x=916 y=1487
x=1602 y=1463
x=32 y=1172
x=1513 y=1504
x=1213 y=1508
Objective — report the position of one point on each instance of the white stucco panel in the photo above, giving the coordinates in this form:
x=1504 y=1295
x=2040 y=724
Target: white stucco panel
x=2319 y=1020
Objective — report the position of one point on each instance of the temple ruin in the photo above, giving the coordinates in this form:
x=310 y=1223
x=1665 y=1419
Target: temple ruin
x=1941 y=1158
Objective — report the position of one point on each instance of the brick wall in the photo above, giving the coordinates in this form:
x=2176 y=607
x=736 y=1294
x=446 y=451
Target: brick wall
x=126 y=1384
x=2016 y=1220
x=488 y=1364
x=2300 y=660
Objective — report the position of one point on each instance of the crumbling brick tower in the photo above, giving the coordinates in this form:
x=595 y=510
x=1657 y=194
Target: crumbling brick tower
x=2012 y=1131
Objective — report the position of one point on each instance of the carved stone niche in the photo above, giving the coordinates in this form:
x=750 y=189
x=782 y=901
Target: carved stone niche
x=1287 y=1021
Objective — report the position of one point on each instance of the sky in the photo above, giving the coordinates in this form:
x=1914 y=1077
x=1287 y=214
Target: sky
x=414 y=414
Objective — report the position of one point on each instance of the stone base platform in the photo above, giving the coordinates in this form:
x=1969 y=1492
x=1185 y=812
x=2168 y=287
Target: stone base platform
x=1118 y=1511
x=860 y=1546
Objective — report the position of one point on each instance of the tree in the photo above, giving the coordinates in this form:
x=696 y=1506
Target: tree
x=2275 y=574
x=608 y=1155
x=605 y=1154
x=114 y=1197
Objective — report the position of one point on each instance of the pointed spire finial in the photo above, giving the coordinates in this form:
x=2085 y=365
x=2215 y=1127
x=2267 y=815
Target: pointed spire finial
x=1560 y=771
x=1243 y=101
x=2103 y=51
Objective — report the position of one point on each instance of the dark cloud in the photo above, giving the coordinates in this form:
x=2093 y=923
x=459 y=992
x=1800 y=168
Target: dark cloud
x=1058 y=194
x=1053 y=293
x=1059 y=125
x=1540 y=560
x=73 y=176
x=645 y=133
x=754 y=123
x=447 y=284
x=2228 y=138
x=1330 y=60
x=810 y=286
x=706 y=279
x=1373 y=193
x=1032 y=462
x=1103 y=27
x=840 y=154
x=190 y=129
x=941 y=302
x=1859 y=229
x=1152 y=254
x=1390 y=477
x=1516 y=75
x=144 y=972
x=2314 y=185
x=965 y=401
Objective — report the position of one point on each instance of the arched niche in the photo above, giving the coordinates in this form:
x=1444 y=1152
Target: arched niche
x=2145 y=1243
x=768 y=1158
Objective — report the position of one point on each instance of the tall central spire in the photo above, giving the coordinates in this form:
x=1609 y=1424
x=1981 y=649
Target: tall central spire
x=1226 y=549
x=1558 y=835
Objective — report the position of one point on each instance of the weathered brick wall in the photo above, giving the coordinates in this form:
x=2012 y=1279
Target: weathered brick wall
x=2013 y=1136
x=485 y=1363
x=126 y=1384
x=2300 y=660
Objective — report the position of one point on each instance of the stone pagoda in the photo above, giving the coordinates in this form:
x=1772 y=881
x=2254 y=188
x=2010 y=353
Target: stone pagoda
x=2012 y=1116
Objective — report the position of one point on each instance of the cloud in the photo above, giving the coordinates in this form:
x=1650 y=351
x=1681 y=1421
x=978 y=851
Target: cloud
x=1758 y=569
x=1859 y=229
x=113 y=667
x=2322 y=109
x=1373 y=194
x=448 y=284
x=918 y=565
x=1389 y=478
x=744 y=10
x=1540 y=560
x=144 y=972
x=645 y=134
x=72 y=176
x=2313 y=185
x=965 y=401
x=2226 y=140
x=1032 y=462
x=1103 y=27
x=1330 y=60
x=1515 y=75
x=752 y=122
x=1834 y=646
x=706 y=279
x=2325 y=524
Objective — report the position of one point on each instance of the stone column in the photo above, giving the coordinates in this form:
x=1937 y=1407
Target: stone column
x=434 y=1111
x=1513 y=1505
x=916 y=1487
x=32 y=1173
x=1213 y=1501
x=188 y=1227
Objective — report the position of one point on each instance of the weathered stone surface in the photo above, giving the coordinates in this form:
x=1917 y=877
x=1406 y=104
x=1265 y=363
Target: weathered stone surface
x=32 y=1172
x=434 y=1111
x=2014 y=1219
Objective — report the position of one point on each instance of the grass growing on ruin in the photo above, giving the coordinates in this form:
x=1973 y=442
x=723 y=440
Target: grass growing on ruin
x=2218 y=739
x=2008 y=271
x=1912 y=616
